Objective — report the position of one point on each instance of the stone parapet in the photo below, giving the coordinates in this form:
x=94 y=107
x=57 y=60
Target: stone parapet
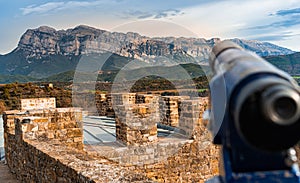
x=136 y=123
x=123 y=98
x=170 y=109
x=144 y=98
x=62 y=124
x=37 y=150
x=38 y=103
x=104 y=105
x=190 y=113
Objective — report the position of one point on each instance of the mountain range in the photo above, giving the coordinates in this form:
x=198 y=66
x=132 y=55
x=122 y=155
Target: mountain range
x=44 y=51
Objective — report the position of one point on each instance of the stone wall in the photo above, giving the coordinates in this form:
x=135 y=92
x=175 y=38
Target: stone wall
x=144 y=98
x=136 y=123
x=62 y=127
x=41 y=147
x=34 y=162
x=170 y=107
x=196 y=160
x=62 y=124
x=38 y=103
x=188 y=158
x=38 y=157
x=104 y=105
x=123 y=98
x=25 y=130
x=189 y=116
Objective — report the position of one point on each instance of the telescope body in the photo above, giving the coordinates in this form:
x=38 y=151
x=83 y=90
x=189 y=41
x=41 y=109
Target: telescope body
x=255 y=115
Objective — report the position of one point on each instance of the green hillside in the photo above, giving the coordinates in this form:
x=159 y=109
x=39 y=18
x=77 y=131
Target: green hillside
x=16 y=78
x=60 y=69
x=288 y=63
x=192 y=70
x=16 y=63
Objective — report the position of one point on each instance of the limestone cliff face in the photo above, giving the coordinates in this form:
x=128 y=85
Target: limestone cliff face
x=83 y=40
x=47 y=41
x=39 y=41
x=148 y=47
x=80 y=40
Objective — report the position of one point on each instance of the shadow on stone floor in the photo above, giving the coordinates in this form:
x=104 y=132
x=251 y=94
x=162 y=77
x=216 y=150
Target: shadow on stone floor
x=5 y=174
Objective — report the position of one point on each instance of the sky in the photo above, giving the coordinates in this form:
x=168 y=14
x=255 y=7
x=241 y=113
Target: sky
x=272 y=21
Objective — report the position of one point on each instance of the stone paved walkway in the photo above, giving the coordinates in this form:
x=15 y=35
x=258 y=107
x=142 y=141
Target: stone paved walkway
x=5 y=175
x=102 y=129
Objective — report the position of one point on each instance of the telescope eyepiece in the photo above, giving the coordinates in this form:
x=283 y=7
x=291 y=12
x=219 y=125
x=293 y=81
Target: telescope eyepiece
x=281 y=105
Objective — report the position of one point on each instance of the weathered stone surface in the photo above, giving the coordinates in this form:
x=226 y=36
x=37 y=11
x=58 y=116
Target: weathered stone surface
x=104 y=105
x=61 y=124
x=136 y=123
x=38 y=103
x=170 y=109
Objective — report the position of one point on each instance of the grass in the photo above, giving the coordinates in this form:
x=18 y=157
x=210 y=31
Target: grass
x=203 y=90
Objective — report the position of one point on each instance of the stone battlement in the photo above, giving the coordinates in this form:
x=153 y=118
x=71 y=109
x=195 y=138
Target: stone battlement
x=63 y=125
x=38 y=103
x=136 y=123
x=46 y=145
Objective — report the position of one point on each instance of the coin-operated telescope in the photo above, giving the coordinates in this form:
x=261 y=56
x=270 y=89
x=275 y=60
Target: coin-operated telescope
x=255 y=117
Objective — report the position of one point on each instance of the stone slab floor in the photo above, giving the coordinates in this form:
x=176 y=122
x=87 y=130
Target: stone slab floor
x=5 y=175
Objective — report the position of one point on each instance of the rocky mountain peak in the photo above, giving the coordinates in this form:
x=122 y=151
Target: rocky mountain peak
x=45 y=29
x=45 y=41
x=262 y=48
x=40 y=41
x=85 y=27
x=85 y=30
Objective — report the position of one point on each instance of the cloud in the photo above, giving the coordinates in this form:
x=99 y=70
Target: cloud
x=138 y=14
x=275 y=37
x=287 y=12
x=145 y=16
x=292 y=21
x=106 y=5
x=41 y=8
x=56 y=6
x=168 y=13
x=288 y=18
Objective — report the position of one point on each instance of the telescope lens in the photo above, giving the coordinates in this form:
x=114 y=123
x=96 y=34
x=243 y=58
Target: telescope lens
x=285 y=107
x=260 y=120
x=281 y=105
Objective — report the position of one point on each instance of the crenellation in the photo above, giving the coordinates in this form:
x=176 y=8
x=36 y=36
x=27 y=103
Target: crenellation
x=47 y=145
x=123 y=98
x=189 y=116
x=38 y=103
x=104 y=105
x=144 y=98
x=56 y=126
x=136 y=122
x=170 y=107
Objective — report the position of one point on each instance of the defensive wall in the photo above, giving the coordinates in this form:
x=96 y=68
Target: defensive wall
x=46 y=145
